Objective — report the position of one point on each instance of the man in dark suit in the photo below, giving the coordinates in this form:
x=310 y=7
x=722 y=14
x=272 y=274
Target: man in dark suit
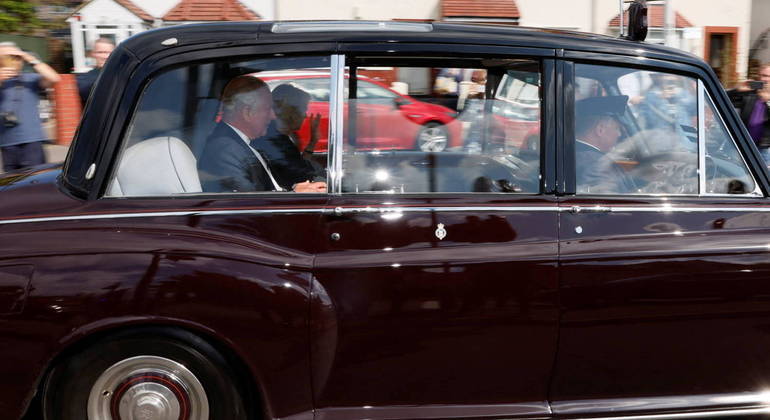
x=229 y=163
x=100 y=51
x=597 y=131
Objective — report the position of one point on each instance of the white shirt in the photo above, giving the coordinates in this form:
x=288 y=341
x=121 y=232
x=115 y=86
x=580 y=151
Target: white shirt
x=259 y=157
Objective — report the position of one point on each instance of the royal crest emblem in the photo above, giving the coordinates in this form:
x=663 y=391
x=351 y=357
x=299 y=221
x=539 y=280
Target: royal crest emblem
x=440 y=231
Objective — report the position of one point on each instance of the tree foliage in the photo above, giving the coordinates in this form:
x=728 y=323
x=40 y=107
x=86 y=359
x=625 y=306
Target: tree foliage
x=18 y=16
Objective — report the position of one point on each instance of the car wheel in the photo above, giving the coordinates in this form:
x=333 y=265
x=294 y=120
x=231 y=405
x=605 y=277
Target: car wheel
x=157 y=374
x=433 y=137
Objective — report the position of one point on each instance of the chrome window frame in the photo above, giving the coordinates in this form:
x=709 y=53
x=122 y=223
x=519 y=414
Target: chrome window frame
x=336 y=125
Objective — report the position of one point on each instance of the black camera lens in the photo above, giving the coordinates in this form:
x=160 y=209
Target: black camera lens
x=9 y=119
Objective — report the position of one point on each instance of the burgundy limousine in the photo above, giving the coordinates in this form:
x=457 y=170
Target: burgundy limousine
x=192 y=260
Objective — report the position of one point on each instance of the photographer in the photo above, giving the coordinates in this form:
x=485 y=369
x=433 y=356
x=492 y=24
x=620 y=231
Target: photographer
x=21 y=132
x=751 y=101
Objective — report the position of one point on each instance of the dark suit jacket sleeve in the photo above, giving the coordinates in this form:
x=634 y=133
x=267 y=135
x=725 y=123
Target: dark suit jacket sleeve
x=286 y=162
x=598 y=174
x=227 y=166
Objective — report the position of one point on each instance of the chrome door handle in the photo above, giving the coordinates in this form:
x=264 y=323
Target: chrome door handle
x=589 y=209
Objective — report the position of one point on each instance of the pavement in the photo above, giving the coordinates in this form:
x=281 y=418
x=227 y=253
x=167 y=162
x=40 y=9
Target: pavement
x=55 y=152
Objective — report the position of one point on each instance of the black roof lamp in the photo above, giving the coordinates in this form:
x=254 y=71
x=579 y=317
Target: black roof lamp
x=637 y=21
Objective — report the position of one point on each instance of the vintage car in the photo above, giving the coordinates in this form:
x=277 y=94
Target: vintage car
x=619 y=269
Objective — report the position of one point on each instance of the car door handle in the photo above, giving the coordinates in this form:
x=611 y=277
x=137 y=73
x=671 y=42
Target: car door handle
x=589 y=209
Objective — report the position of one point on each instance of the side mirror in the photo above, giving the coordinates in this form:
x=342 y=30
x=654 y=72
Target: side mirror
x=399 y=102
x=637 y=21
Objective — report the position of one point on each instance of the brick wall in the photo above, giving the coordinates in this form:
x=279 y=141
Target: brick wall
x=67 y=108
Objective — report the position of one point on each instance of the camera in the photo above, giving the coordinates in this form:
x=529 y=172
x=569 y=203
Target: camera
x=9 y=119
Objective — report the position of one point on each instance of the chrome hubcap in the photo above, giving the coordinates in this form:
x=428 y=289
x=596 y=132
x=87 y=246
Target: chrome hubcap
x=147 y=388
x=433 y=139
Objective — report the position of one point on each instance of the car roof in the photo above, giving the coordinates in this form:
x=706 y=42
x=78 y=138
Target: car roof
x=158 y=47
x=147 y=43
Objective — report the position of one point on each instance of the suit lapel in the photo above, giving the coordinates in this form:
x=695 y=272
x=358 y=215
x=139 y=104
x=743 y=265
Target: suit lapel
x=256 y=172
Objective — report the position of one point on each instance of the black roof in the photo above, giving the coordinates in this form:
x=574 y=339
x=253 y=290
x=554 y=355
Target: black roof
x=248 y=33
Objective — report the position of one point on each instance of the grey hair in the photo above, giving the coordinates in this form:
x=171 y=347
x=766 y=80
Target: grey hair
x=289 y=94
x=8 y=44
x=241 y=91
x=102 y=40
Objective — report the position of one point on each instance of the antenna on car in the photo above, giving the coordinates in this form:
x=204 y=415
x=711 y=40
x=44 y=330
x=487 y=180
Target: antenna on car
x=637 y=21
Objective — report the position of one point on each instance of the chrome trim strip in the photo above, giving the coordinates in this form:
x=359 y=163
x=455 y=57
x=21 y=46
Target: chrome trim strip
x=688 y=415
x=349 y=210
x=390 y=210
x=340 y=26
x=671 y=209
x=637 y=406
x=336 y=107
x=701 y=139
x=155 y=214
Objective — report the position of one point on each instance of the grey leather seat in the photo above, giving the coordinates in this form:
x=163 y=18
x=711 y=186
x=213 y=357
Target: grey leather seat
x=157 y=166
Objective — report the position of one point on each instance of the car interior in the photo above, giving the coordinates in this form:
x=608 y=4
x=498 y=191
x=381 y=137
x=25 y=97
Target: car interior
x=489 y=124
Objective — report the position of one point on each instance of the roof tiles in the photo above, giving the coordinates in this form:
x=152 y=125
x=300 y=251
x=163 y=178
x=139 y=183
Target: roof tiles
x=210 y=10
x=133 y=8
x=505 y=9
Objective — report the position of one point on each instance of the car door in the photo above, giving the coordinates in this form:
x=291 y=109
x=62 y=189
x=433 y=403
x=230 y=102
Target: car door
x=435 y=284
x=663 y=248
x=195 y=247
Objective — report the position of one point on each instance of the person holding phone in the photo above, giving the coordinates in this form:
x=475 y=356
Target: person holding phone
x=752 y=102
x=21 y=131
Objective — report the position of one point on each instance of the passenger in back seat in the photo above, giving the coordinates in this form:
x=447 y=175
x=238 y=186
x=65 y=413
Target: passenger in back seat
x=280 y=146
x=229 y=162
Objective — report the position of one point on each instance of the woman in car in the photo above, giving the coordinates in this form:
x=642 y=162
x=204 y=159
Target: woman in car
x=281 y=144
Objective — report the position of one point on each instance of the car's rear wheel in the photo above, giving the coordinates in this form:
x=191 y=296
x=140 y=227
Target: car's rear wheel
x=433 y=137
x=163 y=375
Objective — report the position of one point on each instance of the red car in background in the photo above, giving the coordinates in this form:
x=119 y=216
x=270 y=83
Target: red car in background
x=386 y=119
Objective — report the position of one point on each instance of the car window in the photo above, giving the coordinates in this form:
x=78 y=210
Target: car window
x=635 y=132
x=228 y=127
x=726 y=171
x=460 y=136
x=644 y=132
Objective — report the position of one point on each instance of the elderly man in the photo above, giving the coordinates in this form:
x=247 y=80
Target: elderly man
x=100 y=51
x=230 y=163
x=21 y=131
x=597 y=131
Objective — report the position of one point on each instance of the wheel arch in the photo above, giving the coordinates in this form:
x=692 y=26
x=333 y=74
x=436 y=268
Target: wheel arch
x=246 y=375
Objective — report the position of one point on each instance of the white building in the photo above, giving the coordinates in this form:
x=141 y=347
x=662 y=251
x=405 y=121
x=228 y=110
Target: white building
x=119 y=19
x=725 y=34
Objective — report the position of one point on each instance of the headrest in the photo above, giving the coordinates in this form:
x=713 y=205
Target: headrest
x=157 y=166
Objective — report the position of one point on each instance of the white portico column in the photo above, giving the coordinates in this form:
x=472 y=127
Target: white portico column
x=78 y=47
